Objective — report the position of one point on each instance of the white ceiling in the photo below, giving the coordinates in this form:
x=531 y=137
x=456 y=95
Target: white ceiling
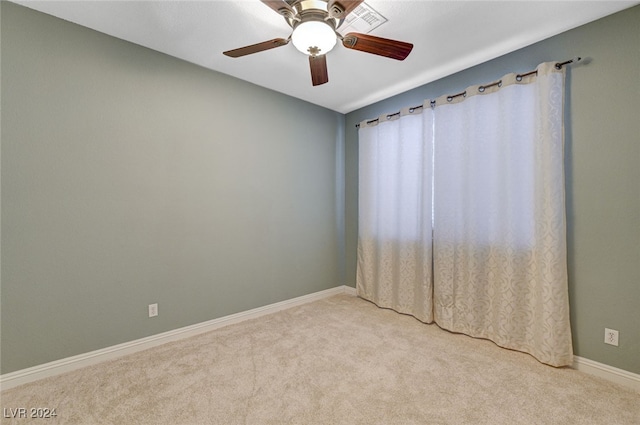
x=448 y=36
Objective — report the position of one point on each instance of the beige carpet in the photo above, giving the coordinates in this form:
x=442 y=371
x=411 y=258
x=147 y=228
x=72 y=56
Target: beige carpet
x=340 y=360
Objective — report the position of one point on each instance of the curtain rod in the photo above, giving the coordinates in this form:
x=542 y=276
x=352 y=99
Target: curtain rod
x=482 y=88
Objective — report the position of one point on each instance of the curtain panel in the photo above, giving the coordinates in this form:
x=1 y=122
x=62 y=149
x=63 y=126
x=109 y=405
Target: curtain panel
x=471 y=233
x=395 y=203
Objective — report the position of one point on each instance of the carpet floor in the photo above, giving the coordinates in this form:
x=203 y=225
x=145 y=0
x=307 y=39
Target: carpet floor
x=340 y=360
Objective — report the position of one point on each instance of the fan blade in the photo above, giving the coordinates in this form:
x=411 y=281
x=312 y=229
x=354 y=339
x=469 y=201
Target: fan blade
x=258 y=47
x=341 y=8
x=378 y=46
x=319 y=74
x=281 y=7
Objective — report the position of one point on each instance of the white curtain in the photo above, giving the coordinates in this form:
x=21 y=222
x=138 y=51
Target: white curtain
x=394 y=200
x=496 y=191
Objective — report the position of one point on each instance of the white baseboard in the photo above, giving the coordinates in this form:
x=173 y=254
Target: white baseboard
x=619 y=376
x=350 y=290
x=57 y=367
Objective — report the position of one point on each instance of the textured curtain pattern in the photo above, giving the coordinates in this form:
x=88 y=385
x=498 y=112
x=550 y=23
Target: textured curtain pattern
x=499 y=227
x=484 y=173
x=394 y=228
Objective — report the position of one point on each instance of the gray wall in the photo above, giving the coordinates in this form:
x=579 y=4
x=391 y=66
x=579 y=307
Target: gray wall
x=130 y=177
x=602 y=174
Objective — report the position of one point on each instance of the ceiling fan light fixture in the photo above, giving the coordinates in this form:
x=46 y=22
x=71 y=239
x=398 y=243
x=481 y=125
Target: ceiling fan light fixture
x=314 y=24
x=314 y=38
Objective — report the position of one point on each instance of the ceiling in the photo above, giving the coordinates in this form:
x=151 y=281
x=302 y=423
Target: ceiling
x=448 y=36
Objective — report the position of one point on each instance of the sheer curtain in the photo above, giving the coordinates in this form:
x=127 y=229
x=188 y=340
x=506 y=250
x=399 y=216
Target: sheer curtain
x=495 y=187
x=499 y=226
x=394 y=201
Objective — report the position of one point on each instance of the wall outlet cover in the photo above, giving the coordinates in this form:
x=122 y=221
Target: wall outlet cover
x=611 y=336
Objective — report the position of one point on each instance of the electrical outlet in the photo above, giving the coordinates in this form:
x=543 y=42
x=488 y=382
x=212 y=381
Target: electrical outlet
x=611 y=336
x=153 y=310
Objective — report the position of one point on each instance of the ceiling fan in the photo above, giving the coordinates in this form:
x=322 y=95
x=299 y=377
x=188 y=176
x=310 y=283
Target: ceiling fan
x=315 y=24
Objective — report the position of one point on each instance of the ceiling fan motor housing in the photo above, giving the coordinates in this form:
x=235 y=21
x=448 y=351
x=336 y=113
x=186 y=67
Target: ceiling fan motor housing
x=313 y=10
